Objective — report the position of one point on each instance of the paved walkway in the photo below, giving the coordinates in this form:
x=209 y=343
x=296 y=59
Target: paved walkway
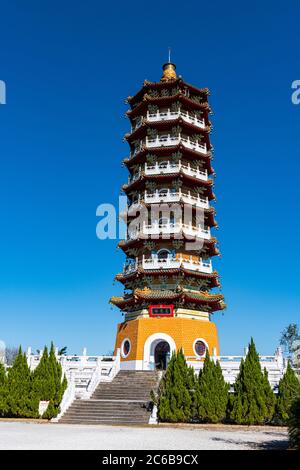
x=22 y=435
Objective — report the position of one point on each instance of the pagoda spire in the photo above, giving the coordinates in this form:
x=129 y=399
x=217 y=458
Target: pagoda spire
x=169 y=70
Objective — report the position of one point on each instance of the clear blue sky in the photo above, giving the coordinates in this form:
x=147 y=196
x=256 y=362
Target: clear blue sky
x=68 y=66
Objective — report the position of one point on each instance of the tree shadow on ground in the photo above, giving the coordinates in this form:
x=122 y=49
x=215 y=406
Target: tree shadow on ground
x=276 y=444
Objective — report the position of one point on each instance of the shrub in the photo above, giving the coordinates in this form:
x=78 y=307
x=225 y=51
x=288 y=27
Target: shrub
x=175 y=391
x=211 y=396
x=3 y=391
x=48 y=383
x=253 y=402
x=294 y=424
x=22 y=401
x=288 y=391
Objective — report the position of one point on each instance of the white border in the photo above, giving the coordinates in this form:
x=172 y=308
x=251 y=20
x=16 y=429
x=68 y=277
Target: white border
x=206 y=346
x=148 y=343
x=122 y=344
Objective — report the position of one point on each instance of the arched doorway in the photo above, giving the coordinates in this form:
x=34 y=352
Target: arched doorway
x=163 y=254
x=161 y=355
x=149 y=349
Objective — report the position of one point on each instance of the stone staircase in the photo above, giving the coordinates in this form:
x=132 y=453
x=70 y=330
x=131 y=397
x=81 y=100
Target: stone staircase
x=122 y=401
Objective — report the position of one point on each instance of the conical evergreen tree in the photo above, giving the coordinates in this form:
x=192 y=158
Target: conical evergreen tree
x=269 y=397
x=43 y=382
x=288 y=392
x=211 y=395
x=252 y=402
x=60 y=382
x=294 y=424
x=22 y=401
x=48 y=383
x=3 y=391
x=175 y=391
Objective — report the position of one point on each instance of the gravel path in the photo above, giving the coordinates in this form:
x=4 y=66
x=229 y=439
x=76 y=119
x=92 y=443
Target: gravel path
x=22 y=435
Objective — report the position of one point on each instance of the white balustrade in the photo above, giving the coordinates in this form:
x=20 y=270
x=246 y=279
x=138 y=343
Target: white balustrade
x=169 y=168
x=164 y=168
x=170 y=262
x=204 y=266
x=188 y=229
x=160 y=263
x=170 y=140
x=162 y=116
x=190 y=144
x=172 y=115
x=176 y=196
x=162 y=141
x=156 y=229
x=275 y=365
x=195 y=172
x=83 y=373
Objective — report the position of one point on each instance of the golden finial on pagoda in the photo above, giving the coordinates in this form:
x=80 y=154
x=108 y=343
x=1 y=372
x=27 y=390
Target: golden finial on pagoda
x=169 y=70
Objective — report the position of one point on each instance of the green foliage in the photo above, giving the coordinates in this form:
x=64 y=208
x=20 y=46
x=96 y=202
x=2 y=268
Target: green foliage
x=294 y=424
x=22 y=402
x=3 y=390
x=51 y=411
x=270 y=398
x=42 y=378
x=62 y=351
x=288 y=392
x=289 y=335
x=175 y=391
x=211 y=396
x=253 y=402
x=48 y=383
x=21 y=390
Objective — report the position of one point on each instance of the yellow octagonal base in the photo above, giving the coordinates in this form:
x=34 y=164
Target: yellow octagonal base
x=144 y=336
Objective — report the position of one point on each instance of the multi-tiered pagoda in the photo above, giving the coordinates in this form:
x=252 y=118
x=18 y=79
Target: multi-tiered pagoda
x=168 y=275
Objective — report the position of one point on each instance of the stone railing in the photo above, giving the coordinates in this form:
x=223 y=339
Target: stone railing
x=155 y=229
x=230 y=365
x=169 y=140
x=171 y=115
x=167 y=195
x=86 y=372
x=169 y=168
x=170 y=262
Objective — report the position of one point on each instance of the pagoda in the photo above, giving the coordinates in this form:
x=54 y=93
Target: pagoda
x=170 y=287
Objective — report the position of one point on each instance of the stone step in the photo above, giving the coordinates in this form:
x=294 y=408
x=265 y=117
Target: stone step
x=129 y=395
x=106 y=422
x=109 y=416
x=108 y=403
x=111 y=405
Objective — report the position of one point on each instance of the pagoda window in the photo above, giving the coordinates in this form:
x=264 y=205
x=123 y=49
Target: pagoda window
x=200 y=347
x=163 y=191
x=164 y=254
x=163 y=164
